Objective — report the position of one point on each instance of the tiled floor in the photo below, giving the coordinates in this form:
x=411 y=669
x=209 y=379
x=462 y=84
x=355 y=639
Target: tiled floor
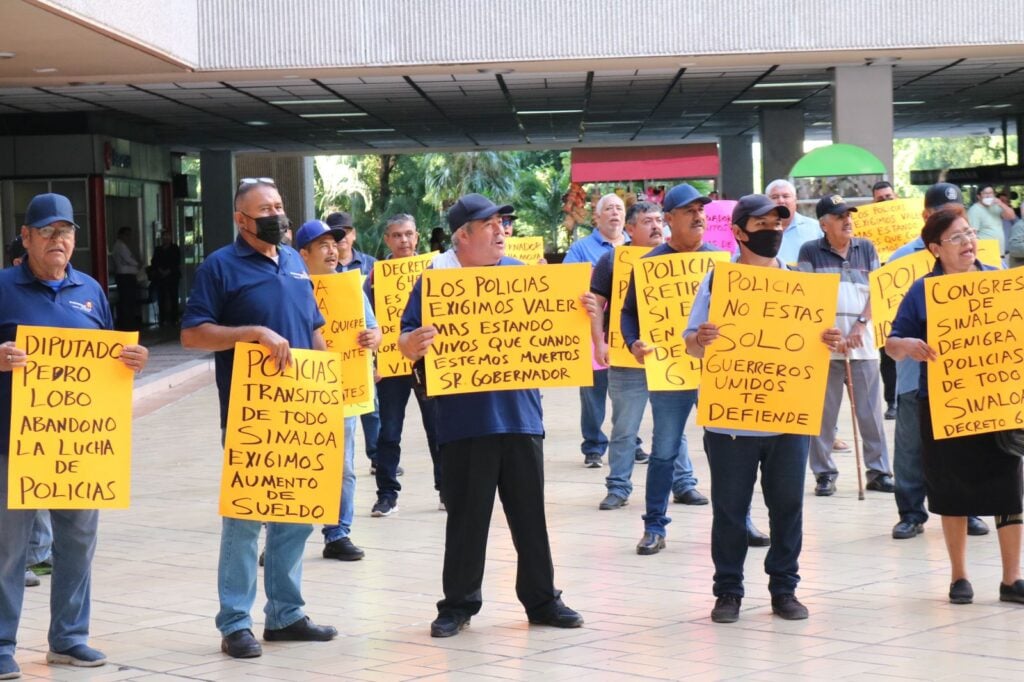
x=878 y=606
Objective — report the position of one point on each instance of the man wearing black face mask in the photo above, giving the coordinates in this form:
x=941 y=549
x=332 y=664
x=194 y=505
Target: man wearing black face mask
x=735 y=456
x=253 y=280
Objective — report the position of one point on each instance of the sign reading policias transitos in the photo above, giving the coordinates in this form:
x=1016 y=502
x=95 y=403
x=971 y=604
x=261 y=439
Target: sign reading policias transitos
x=71 y=420
x=502 y=328
x=976 y=326
x=768 y=368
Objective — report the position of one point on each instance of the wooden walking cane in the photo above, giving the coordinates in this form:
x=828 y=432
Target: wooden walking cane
x=856 y=436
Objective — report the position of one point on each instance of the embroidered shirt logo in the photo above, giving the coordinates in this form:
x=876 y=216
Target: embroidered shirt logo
x=299 y=275
x=84 y=307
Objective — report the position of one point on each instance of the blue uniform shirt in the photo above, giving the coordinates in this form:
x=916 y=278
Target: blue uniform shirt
x=471 y=415
x=363 y=262
x=907 y=371
x=236 y=286
x=79 y=303
x=590 y=248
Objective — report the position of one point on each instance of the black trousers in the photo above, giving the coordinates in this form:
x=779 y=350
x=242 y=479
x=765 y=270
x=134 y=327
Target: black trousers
x=512 y=464
x=888 y=368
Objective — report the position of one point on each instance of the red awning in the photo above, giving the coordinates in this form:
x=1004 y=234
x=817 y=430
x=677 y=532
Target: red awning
x=668 y=162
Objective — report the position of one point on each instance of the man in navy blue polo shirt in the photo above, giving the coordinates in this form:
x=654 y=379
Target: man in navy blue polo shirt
x=45 y=290
x=256 y=291
x=488 y=441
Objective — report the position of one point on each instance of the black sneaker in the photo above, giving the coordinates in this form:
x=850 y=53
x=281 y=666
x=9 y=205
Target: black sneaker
x=904 y=530
x=825 y=487
x=612 y=501
x=303 y=630
x=727 y=609
x=961 y=592
x=1014 y=592
x=449 y=624
x=342 y=549
x=890 y=412
x=788 y=607
x=592 y=461
x=560 y=616
x=384 y=508
x=641 y=457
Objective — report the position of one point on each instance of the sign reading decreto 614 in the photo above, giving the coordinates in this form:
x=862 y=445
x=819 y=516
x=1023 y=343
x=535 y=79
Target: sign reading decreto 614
x=502 y=328
x=71 y=420
x=768 y=367
x=393 y=280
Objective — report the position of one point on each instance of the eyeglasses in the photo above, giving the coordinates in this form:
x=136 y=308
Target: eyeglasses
x=254 y=181
x=63 y=233
x=961 y=238
x=506 y=221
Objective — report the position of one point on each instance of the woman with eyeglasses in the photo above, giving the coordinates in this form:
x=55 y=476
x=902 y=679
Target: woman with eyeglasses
x=964 y=475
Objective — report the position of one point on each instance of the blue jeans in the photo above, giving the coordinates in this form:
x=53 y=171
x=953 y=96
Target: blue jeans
x=371 y=428
x=669 y=468
x=41 y=539
x=592 y=408
x=627 y=388
x=734 y=462
x=347 y=509
x=394 y=396
x=907 y=460
x=74 y=542
x=282 y=573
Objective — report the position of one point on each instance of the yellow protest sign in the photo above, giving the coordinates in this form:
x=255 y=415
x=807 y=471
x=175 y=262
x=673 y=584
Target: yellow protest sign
x=393 y=279
x=622 y=268
x=530 y=250
x=284 y=447
x=976 y=325
x=888 y=224
x=888 y=285
x=988 y=252
x=340 y=299
x=71 y=420
x=665 y=287
x=502 y=328
x=767 y=369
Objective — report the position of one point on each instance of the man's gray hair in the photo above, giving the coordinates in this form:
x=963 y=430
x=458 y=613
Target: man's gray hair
x=606 y=198
x=398 y=219
x=780 y=183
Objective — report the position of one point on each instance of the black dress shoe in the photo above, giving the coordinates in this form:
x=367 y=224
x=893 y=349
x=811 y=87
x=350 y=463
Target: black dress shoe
x=342 y=549
x=1014 y=592
x=241 y=644
x=650 y=543
x=560 y=616
x=691 y=496
x=976 y=526
x=303 y=630
x=727 y=609
x=826 y=486
x=612 y=501
x=882 y=483
x=756 y=538
x=906 y=529
x=448 y=624
x=788 y=607
x=890 y=412
x=961 y=592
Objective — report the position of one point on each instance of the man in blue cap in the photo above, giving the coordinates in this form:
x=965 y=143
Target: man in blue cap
x=489 y=441
x=45 y=290
x=318 y=245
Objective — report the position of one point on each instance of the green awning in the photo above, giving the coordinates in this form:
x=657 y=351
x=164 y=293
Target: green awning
x=837 y=159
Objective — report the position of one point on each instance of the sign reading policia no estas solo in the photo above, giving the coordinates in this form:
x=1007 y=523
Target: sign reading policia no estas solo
x=505 y=328
x=767 y=369
x=71 y=420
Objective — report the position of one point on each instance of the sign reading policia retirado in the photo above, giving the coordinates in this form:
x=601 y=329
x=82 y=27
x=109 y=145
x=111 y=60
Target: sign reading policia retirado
x=71 y=420
x=665 y=288
x=767 y=369
x=976 y=326
x=284 y=444
x=503 y=328
x=393 y=280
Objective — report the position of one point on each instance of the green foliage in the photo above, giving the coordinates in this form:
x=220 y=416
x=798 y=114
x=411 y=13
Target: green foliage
x=945 y=152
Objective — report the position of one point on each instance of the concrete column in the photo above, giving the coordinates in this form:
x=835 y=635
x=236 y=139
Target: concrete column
x=216 y=173
x=736 y=166
x=862 y=109
x=290 y=175
x=782 y=142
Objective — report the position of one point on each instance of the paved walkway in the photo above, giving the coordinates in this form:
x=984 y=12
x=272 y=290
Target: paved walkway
x=878 y=606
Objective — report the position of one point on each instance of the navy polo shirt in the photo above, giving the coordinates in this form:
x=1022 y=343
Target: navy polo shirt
x=236 y=286
x=471 y=415
x=80 y=303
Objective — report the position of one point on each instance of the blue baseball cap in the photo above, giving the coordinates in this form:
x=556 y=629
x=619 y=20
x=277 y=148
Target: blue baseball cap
x=312 y=230
x=755 y=205
x=681 y=195
x=46 y=209
x=474 y=207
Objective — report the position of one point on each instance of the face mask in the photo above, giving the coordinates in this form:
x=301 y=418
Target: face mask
x=988 y=201
x=765 y=243
x=270 y=228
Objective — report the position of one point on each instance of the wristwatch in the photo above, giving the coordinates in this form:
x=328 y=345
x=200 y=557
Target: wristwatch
x=863 y=320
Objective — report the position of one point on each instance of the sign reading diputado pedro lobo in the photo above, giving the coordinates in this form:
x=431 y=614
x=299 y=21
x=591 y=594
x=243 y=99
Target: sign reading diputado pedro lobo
x=71 y=420
x=502 y=328
x=976 y=326
x=284 y=443
x=665 y=288
x=393 y=280
x=768 y=368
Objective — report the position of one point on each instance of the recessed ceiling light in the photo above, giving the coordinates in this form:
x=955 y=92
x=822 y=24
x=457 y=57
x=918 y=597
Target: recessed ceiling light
x=348 y=114
x=992 y=106
x=611 y=123
x=782 y=100
x=8 y=55
x=293 y=102
x=496 y=71
x=821 y=123
x=367 y=130
x=45 y=69
x=794 y=84
x=256 y=123
x=908 y=103
x=541 y=112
